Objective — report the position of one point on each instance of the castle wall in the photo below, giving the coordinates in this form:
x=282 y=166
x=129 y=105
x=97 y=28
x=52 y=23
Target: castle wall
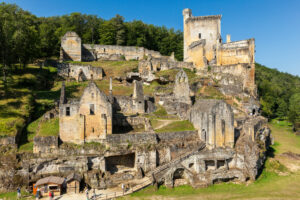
x=214 y=120
x=244 y=72
x=196 y=54
x=115 y=52
x=237 y=52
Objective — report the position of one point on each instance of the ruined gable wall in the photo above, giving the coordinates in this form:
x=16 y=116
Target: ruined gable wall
x=95 y=125
x=71 y=47
x=71 y=128
x=73 y=70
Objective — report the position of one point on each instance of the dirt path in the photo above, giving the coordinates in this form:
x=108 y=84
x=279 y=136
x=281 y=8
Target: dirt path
x=164 y=123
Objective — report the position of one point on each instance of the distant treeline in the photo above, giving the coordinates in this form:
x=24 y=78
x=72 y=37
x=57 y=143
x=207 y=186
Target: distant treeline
x=279 y=93
x=25 y=37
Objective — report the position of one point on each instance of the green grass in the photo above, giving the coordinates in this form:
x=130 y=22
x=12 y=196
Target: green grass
x=17 y=99
x=171 y=74
x=176 y=126
x=13 y=196
x=285 y=139
x=49 y=127
x=113 y=68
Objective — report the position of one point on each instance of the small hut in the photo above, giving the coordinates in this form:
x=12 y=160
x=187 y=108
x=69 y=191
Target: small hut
x=50 y=184
x=73 y=183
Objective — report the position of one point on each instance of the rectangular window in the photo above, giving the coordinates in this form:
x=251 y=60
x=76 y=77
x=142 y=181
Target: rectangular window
x=92 y=109
x=67 y=111
x=199 y=35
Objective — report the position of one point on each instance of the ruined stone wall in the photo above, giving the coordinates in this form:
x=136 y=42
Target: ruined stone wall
x=253 y=125
x=244 y=72
x=115 y=52
x=196 y=54
x=214 y=120
x=181 y=88
x=88 y=119
x=7 y=140
x=237 y=52
x=70 y=47
x=80 y=72
x=45 y=144
x=71 y=127
x=160 y=64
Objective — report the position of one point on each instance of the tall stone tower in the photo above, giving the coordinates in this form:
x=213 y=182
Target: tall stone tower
x=202 y=38
x=70 y=47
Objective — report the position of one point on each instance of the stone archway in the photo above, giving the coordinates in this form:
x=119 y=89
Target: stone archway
x=81 y=76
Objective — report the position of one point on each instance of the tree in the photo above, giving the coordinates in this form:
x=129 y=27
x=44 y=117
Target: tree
x=294 y=108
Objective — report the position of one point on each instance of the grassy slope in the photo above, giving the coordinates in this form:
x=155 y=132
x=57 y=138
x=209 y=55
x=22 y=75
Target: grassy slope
x=269 y=185
x=113 y=68
x=13 y=196
x=16 y=106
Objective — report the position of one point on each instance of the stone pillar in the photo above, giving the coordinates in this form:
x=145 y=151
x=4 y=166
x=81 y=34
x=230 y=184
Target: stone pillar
x=216 y=164
x=62 y=99
x=104 y=126
x=110 y=86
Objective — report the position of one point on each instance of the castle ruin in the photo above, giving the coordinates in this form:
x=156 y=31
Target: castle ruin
x=226 y=141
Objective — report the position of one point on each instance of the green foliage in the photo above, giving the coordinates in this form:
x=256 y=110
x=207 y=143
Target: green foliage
x=279 y=93
x=294 y=108
x=160 y=112
x=26 y=37
x=49 y=127
x=208 y=68
x=13 y=195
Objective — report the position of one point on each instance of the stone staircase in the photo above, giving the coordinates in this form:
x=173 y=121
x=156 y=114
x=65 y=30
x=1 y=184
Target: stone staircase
x=160 y=170
x=152 y=175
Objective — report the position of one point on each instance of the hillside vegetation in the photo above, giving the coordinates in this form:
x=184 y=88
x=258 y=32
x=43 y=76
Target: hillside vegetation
x=279 y=93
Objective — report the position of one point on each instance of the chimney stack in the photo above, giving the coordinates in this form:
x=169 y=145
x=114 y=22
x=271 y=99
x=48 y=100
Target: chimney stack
x=228 y=38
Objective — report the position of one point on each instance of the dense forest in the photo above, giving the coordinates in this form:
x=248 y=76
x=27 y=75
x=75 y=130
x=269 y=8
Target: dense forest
x=25 y=37
x=279 y=93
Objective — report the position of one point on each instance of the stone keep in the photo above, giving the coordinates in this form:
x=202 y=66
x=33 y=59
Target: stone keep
x=214 y=120
x=88 y=119
x=203 y=46
x=181 y=88
x=71 y=47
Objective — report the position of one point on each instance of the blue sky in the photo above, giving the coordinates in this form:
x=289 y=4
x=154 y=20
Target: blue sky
x=275 y=24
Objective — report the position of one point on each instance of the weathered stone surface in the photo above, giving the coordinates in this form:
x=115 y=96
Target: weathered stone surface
x=214 y=120
x=181 y=88
x=87 y=120
x=80 y=72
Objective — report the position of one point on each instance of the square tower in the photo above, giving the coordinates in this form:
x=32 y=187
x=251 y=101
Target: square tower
x=70 y=47
x=202 y=38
